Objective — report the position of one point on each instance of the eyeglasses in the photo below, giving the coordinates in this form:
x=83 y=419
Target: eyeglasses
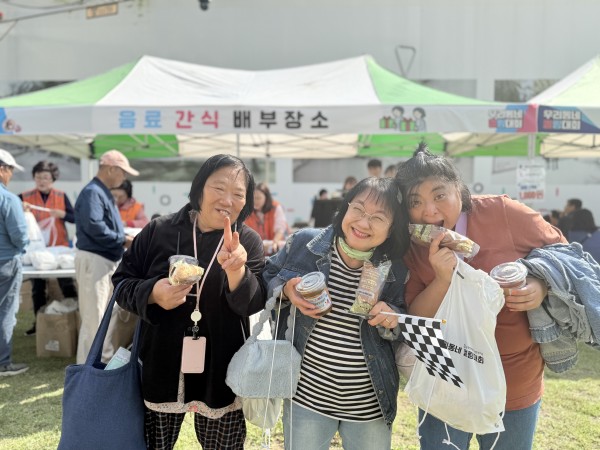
x=378 y=221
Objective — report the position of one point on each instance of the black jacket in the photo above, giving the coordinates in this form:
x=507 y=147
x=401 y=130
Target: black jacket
x=222 y=311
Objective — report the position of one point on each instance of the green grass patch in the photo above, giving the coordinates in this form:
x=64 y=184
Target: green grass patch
x=30 y=406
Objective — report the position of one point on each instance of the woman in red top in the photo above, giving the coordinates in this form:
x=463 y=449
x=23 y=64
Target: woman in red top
x=51 y=209
x=506 y=230
x=268 y=218
x=131 y=211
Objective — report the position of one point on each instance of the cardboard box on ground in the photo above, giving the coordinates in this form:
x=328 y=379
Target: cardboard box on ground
x=52 y=289
x=56 y=334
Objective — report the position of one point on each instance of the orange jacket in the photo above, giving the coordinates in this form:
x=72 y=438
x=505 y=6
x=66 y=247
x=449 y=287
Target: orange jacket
x=56 y=200
x=265 y=228
x=132 y=214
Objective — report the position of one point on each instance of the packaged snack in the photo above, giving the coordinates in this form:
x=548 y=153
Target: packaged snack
x=313 y=288
x=510 y=275
x=423 y=234
x=184 y=269
x=369 y=287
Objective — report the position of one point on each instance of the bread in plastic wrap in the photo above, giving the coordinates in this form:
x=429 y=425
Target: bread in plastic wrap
x=423 y=234
x=184 y=270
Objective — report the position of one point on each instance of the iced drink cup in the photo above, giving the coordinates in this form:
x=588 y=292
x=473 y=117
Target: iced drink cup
x=510 y=275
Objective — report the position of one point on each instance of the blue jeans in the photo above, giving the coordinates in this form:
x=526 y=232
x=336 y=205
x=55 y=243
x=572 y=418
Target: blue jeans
x=11 y=276
x=314 y=431
x=519 y=426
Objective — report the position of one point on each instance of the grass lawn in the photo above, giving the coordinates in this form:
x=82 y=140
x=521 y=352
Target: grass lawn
x=30 y=406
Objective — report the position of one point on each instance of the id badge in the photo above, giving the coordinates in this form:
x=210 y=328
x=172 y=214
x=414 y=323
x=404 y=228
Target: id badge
x=192 y=356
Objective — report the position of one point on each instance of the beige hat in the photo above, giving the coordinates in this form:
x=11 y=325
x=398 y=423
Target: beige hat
x=116 y=158
x=8 y=160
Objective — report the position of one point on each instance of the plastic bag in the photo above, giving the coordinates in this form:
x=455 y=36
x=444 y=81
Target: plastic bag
x=36 y=240
x=48 y=229
x=477 y=405
x=405 y=359
x=423 y=234
x=43 y=260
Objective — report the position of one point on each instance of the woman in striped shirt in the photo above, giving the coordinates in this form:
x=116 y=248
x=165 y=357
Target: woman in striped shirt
x=348 y=379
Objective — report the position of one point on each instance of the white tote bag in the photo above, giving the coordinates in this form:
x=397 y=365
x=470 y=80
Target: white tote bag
x=477 y=404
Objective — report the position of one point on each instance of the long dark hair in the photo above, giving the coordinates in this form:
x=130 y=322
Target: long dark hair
x=268 y=206
x=210 y=166
x=423 y=165
x=385 y=191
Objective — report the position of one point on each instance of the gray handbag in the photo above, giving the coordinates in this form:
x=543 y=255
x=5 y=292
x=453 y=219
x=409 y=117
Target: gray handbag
x=264 y=368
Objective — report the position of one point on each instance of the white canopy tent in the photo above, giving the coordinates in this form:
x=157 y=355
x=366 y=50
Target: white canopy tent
x=156 y=107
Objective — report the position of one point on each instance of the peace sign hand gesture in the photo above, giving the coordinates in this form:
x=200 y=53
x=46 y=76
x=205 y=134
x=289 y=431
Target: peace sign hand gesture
x=232 y=255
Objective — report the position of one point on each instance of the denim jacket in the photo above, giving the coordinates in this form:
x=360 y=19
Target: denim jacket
x=571 y=311
x=309 y=250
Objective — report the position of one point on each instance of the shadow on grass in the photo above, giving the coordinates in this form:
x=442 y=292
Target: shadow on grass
x=31 y=402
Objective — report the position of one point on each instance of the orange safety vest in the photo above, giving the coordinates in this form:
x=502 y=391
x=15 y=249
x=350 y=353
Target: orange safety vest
x=56 y=200
x=266 y=227
x=130 y=213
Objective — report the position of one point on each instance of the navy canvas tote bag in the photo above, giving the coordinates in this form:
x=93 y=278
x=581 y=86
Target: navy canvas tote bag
x=103 y=409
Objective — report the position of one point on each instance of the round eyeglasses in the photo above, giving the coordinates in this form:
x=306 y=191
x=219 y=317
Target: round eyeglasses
x=378 y=221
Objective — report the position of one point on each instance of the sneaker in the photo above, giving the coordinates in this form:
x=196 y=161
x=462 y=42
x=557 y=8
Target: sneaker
x=13 y=369
x=30 y=332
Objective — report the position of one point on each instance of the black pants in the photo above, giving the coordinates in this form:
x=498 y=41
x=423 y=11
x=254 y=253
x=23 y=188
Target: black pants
x=38 y=291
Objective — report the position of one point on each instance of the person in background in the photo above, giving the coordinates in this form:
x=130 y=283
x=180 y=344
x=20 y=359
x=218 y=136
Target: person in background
x=267 y=218
x=436 y=194
x=101 y=242
x=51 y=209
x=13 y=240
x=221 y=197
x=131 y=211
x=348 y=378
x=554 y=217
x=375 y=168
x=390 y=171
x=564 y=223
x=323 y=194
x=349 y=183
x=585 y=231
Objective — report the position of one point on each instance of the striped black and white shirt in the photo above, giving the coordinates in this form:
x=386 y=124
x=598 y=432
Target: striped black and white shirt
x=334 y=380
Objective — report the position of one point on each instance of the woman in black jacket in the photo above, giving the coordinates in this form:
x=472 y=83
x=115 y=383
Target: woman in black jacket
x=210 y=228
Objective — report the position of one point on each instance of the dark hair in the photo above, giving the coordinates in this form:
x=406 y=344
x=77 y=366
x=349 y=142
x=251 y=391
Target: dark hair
x=374 y=163
x=583 y=220
x=555 y=213
x=421 y=110
x=349 y=179
x=268 y=206
x=398 y=108
x=391 y=168
x=322 y=191
x=423 y=165
x=46 y=166
x=210 y=166
x=384 y=190
x=126 y=186
x=575 y=203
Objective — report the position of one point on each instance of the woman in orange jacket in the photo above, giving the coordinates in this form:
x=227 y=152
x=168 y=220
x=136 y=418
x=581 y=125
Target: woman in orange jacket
x=51 y=209
x=132 y=211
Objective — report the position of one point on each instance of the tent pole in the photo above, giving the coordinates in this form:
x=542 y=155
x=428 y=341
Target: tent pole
x=237 y=145
x=531 y=145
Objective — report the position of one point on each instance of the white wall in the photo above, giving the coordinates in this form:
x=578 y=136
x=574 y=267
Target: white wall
x=461 y=39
